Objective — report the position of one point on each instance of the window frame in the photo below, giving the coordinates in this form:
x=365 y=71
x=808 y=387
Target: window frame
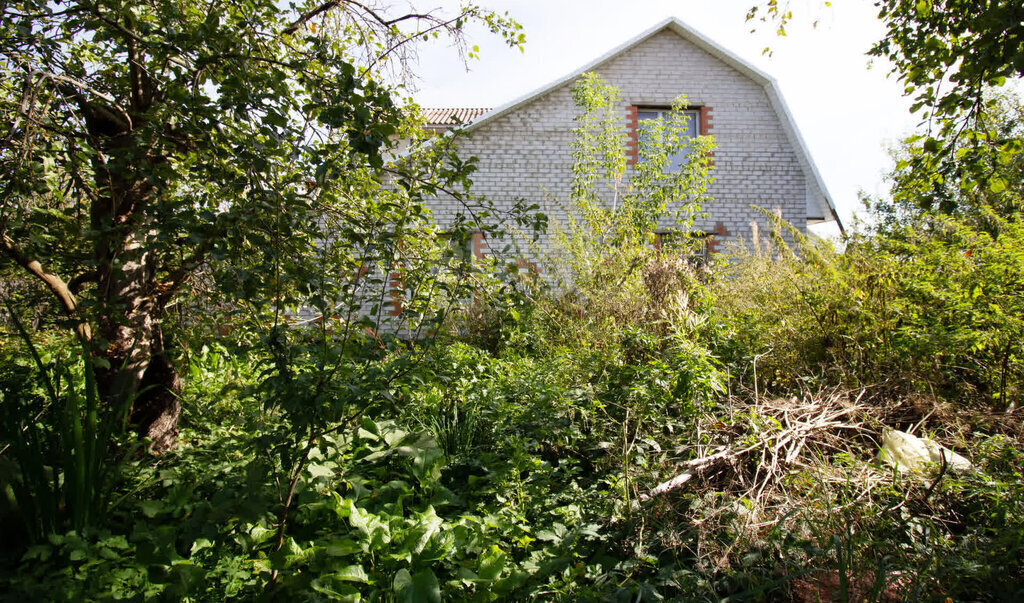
x=663 y=238
x=702 y=117
x=660 y=113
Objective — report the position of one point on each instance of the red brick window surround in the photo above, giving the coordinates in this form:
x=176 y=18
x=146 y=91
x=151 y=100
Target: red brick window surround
x=716 y=237
x=475 y=245
x=396 y=290
x=478 y=245
x=704 y=117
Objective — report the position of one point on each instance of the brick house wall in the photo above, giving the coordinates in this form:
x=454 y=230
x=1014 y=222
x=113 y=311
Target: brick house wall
x=525 y=152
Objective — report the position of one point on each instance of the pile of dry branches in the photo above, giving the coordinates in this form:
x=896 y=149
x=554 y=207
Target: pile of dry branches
x=788 y=493
x=767 y=440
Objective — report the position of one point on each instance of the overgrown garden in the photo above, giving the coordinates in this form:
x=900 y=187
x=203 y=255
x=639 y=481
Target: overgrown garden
x=214 y=386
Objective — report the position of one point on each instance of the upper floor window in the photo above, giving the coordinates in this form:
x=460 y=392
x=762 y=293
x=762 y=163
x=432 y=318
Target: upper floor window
x=668 y=130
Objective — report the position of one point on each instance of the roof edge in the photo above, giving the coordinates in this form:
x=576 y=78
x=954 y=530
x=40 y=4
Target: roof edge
x=672 y=23
x=789 y=124
x=682 y=29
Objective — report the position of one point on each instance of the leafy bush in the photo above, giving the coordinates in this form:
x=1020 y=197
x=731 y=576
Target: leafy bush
x=931 y=307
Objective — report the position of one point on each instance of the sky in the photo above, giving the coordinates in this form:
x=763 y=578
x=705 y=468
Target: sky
x=848 y=108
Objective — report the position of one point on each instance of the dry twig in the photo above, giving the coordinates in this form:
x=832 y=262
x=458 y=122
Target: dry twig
x=784 y=433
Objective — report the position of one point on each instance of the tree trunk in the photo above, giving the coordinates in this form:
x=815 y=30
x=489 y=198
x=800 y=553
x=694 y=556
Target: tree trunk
x=139 y=377
x=158 y=405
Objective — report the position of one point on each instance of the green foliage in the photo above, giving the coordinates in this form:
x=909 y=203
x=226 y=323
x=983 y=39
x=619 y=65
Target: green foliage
x=983 y=168
x=233 y=163
x=372 y=515
x=931 y=307
x=54 y=433
x=370 y=454
x=928 y=40
x=953 y=56
x=151 y=149
x=609 y=266
x=957 y=540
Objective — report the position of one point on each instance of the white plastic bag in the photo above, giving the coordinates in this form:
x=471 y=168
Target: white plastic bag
x=908 y=452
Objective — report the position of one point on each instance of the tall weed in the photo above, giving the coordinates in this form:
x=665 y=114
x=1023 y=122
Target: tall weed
x=930 y=308
x=63 y=446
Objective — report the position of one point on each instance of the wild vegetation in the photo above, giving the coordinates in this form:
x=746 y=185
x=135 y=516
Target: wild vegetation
x=213 y=386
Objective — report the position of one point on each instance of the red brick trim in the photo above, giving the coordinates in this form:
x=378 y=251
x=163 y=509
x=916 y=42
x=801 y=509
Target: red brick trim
x=526 y=269
x=716 y=236
x=478 y=245
x=397 y=291
x=632 y=146
x=707 y=120
x=707 y=123
x=705 y=116
x=357 y=274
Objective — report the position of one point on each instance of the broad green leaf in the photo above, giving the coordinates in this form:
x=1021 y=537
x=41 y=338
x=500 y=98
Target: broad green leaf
x=352 y=573
x=419 y=588
x=336 y=588
x=318 y=471
x=200 y=544
x=491 y=564
x=376 y=531
x=150 y=508
x=428 y=523
x=342 y=547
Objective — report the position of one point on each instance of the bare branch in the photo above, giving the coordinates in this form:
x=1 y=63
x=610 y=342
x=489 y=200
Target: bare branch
x=332 y=4
x=323 y=8
x=55 y=283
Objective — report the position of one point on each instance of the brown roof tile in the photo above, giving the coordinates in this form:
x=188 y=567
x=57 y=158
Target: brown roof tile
x=451 y=116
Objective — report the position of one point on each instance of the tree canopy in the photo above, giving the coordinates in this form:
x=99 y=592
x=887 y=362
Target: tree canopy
x=142 y=142
x=947 y=52
x=952 y=56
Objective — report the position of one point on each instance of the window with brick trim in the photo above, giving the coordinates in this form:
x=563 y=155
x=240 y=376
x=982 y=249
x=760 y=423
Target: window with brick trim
x=698 y=123
x=467 y=245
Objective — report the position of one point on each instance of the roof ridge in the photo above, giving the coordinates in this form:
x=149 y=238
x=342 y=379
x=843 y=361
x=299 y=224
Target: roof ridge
x=767 y=82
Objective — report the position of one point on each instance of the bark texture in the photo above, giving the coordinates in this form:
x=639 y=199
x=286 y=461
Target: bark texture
x=130 y=298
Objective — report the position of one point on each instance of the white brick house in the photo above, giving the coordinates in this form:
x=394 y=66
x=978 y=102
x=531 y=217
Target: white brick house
x=523 y=147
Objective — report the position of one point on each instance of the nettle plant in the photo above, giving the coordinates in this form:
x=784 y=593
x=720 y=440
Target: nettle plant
x=609 y=248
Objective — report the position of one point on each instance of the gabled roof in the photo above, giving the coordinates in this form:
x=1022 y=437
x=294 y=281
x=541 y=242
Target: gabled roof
x=826 y=209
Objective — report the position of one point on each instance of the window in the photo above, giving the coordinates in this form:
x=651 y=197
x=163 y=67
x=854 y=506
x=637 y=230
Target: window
x=700 y=121
x=459 y=245
x=661 y=123
x=696 y=242
x=466 y=245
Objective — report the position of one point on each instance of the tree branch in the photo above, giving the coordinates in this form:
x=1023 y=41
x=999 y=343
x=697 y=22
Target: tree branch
x=136 y=75
x=332 y=4
x=323 y=8
x=55 y=283
x=75 y=284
